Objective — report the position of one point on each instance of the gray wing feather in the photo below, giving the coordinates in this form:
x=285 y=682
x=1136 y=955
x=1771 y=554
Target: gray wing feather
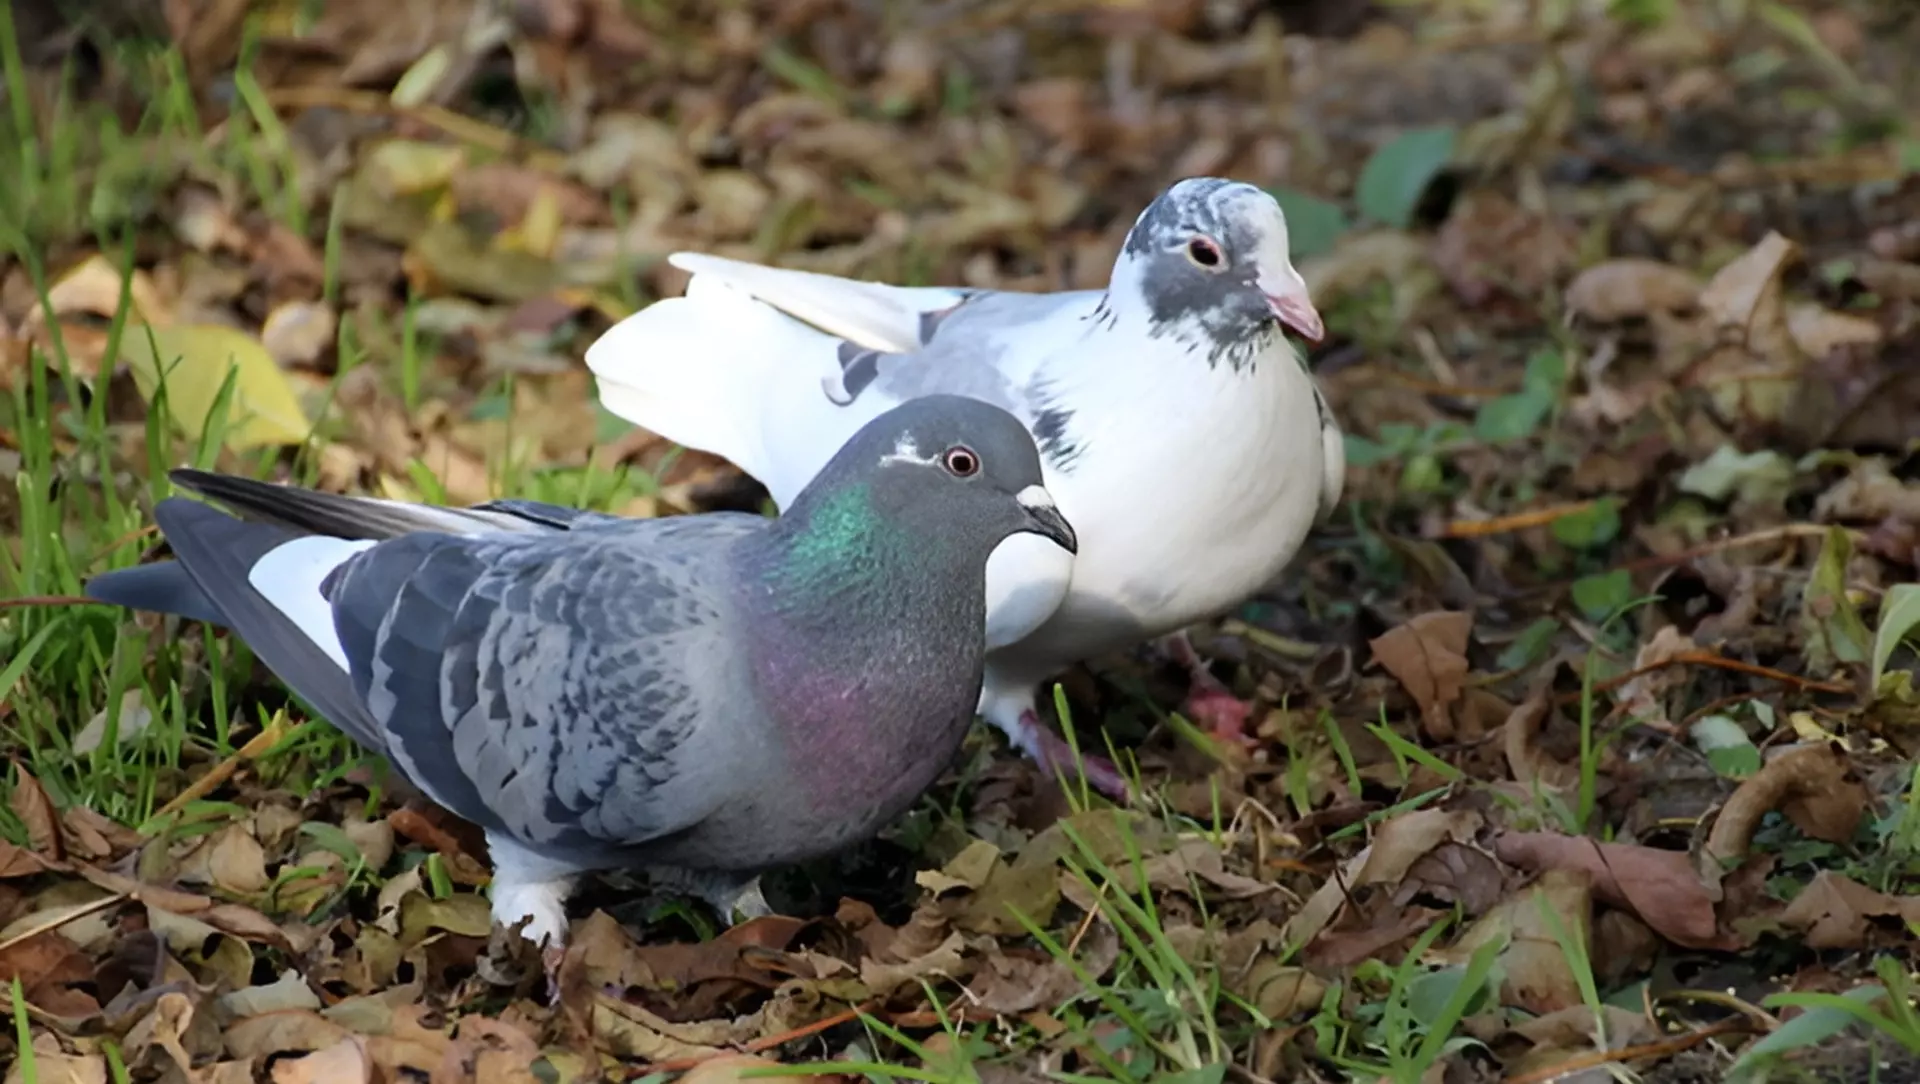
x=559 y=689
x=964 y=350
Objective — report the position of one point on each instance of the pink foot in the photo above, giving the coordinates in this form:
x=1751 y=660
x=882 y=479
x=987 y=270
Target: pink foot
x=1052 y=752
x=1221 y=713
x=1210 y=704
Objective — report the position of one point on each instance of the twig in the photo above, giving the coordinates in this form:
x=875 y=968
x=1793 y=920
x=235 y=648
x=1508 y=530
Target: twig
x=1518 y=521
x=49 y=600
x=1721 y=662
x=765 y=1042
x=219 y=773
x=58 y=918
x=1771 y=534
x=1665 y=1048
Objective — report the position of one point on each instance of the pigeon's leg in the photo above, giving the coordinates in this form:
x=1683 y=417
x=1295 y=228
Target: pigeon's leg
x=729 y=894
x=1209 y=702
x=1051 y=751
x=1008 y=705
x=528 y=885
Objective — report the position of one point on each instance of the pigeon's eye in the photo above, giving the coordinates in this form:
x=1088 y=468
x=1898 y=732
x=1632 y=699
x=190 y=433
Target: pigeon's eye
x=961 y=461
x=1204 y=253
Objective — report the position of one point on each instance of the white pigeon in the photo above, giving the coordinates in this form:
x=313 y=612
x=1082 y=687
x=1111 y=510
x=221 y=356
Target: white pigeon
x=1180 y=431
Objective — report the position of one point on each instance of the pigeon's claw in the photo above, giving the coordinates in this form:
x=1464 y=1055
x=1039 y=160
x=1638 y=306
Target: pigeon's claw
x=1210 y=704
x=1052 y=753
x=1220 y=713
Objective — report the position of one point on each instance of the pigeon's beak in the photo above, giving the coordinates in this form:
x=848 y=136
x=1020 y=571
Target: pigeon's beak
x=1045 y=520
x=1287 y=293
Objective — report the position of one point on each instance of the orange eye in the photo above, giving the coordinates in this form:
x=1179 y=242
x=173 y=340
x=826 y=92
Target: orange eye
x=1204 y=253
x=961 y=461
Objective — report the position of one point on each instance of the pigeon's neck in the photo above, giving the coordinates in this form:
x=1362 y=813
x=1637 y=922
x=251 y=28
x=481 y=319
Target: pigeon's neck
x=839 y=555
x=859 y=627
x=833 y=544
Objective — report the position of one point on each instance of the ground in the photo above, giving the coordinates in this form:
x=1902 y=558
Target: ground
x=1583 y=729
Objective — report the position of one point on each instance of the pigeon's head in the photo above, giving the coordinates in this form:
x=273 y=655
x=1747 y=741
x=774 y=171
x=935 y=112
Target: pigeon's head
x=952 y=468
x=1208 y=262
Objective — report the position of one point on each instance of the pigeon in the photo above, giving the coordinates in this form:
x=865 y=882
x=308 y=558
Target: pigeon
x=702 y=696
x=1183 y=434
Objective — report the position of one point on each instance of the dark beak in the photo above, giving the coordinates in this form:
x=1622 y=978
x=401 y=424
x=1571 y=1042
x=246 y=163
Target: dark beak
x=1045 y=520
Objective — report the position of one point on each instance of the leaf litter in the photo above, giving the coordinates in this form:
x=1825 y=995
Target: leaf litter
x=1599 y=670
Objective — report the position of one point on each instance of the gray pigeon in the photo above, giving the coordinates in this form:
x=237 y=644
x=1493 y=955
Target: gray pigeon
x=703 y=696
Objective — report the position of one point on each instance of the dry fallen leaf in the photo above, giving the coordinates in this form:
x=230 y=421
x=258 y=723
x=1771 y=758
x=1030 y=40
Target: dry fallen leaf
x=1618 y=289
x=1659 y=886
x=1813 y=785
x=1428 y=654
x=194 y=362
x=30 y=803
x=1837 y=912
x=345 y=1062
x=298 y=332
x=52 y=1066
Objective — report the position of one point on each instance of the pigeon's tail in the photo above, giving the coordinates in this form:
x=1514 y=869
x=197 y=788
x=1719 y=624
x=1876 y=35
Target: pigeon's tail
x=264 y=581
x=162 y=588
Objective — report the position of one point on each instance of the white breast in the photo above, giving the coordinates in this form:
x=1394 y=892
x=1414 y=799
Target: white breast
x=1192 y=495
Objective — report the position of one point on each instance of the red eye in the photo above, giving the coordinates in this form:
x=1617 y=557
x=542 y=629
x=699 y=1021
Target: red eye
x=1204 y=253
x=961 y=462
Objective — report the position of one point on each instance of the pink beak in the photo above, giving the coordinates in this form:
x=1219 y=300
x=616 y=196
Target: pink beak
x=1294 y=308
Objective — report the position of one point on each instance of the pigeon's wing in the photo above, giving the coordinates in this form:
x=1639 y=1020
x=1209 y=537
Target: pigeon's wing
x=774 y=369
x=575 y=692
x=873 y=315
x=312 y=512
x=166 y=587
x=1333 y=458
x=559 y=517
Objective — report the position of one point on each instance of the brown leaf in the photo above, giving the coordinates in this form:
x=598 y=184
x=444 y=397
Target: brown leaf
x=166 y=1028
x=1644 y=697
x=299 y=1030
x=298 y=332
x=1659 y=886
x=1018 y=982
x=20 y=862
x=1538 y=976
x=30 y=803
x=1618 y=289
x=1491 y=246
x=1397 y=844
x=51 y=1066
x=1456 y=872
x=237 y=862
x=345 y=1062
x=228 y=918
x=499 y=1052
x=97 y=836
x=1814 y=785
x=1837 y=912
x=1820 y=331
x=1428 y=654
x=49 y=967
x=1755 y=368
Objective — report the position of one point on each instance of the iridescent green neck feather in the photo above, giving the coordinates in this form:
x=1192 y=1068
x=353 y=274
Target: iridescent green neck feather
x=837 y=543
